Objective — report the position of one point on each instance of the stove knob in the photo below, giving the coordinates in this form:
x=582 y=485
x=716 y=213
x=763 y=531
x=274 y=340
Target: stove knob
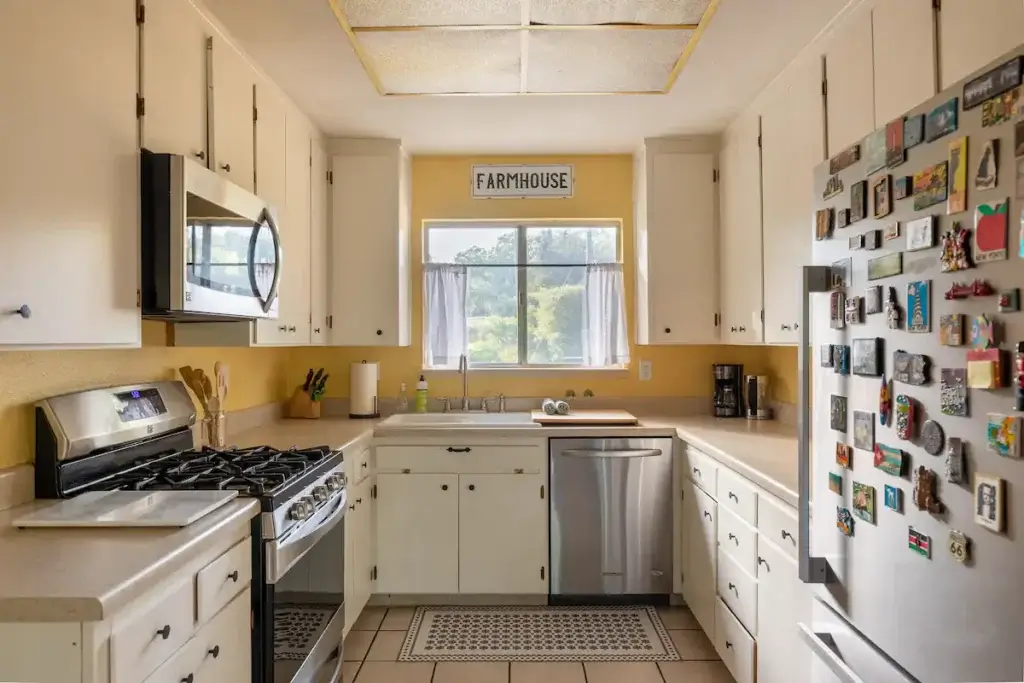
x=310 y=504
x=336 y=482
x=320 y=493
x=298 y=511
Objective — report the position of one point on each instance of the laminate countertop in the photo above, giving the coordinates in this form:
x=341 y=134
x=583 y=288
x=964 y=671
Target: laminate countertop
x=73 y=575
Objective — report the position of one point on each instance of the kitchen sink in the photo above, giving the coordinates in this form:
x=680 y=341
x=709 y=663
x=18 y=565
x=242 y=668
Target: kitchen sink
x=455 y=420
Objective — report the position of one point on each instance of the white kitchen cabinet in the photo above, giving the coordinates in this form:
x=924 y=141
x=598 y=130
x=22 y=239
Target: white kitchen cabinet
x=417 y=533
x=318 y=307
x=174 y=59
x=792 y=144
x=69 y=182
x=700 y=554
x=231 y=146
x=782 y=602
x=369 y=274
x=503 y=542
x=359 y=557
x=677 y=244
x=974 y=32
x=740 y=281
x=849 y=69
x=903 y=33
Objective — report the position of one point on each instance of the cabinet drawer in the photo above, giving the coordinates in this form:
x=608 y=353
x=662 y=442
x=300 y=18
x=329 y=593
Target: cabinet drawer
x=734 y=645
x=777 y=523
x=223 y=579
x=738 y=589
x=739 y=495
x=144 y=638
x=738 y=540
x=700 y=468
x=461 y=458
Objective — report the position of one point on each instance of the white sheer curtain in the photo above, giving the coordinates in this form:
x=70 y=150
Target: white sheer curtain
x=445 y=334
x=604 y=316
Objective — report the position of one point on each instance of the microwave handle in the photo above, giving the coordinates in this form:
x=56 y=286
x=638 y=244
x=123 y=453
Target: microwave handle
x=266 y=217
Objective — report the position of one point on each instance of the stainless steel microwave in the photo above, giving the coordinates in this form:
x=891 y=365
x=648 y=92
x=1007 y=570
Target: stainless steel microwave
x=211 y=250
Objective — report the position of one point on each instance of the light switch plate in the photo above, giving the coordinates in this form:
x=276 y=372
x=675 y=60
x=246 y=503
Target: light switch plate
x=645 y=370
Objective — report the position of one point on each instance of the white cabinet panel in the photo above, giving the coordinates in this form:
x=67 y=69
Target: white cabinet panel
x=358 y=551
x=295 y=234
x=782 y=602
x=231 y=147
x=174 y=57
x=974 y=32
x=903 y=35
x=318 y=247
x=69 y=181
x=850 y=73
x=503 y=540
x=741 y=252
x=417 y=533
x=734 y=644
x=700 y=555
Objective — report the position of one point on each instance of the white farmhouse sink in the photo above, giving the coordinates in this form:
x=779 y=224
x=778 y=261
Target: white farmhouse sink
x=456 y=420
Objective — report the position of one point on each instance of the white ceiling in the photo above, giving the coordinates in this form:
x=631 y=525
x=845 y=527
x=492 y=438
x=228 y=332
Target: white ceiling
x=299 y=44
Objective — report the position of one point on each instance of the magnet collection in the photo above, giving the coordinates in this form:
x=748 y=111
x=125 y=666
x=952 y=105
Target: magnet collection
x=843 y=455
x=835 y=482
x=953 y=391
x=925 y=497
x=919 y=543
x=889 y=459
x=955 y=469
x=910 y=368
x=959 y=546
x=844 y=521
x=894 y=498
x=864 y=501
x=837 y=412
x=933 y=438
x=904 y=417
x=863 y=430
x=1003 y=433
x=885 y=402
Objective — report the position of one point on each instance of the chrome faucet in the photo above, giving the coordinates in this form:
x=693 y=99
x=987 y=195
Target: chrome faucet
x=464 y=371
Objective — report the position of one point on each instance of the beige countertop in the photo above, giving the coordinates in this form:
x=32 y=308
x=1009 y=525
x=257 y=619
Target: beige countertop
x=90 y=574
x=333 y=432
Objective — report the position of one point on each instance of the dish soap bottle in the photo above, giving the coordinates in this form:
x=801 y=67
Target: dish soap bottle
x=421 y=395
x=403 y=399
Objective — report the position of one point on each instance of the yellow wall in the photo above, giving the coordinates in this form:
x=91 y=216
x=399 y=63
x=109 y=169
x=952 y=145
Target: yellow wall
x=25 y=377
x=604 y=189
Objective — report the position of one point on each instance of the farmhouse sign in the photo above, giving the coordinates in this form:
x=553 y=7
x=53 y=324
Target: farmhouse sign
x=528 y=180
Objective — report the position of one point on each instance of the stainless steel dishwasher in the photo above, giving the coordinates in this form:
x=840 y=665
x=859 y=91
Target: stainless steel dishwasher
x=611 y=520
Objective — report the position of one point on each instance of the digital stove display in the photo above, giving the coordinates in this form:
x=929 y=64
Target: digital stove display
x=138 y=404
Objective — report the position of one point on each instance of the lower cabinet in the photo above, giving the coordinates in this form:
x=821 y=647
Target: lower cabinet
x=700 y=519
x=359 y=554
x=782 y=602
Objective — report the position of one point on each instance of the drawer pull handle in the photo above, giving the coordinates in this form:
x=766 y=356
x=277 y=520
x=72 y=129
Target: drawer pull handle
x=363 y=465
x=188 y=679
x=734 y=496
x=786 y=534
x=518 y=470
x=728 y=645
x=444 y=487
x=406 y=471
x=359 y=501
x=696 y=471
x=732 y=537
x=732 y=587
x=165 y=632
x=761 y=560
x=707 y=515
x=234 y=576
x=467 y=449
x=215 y=652
x=351 y=507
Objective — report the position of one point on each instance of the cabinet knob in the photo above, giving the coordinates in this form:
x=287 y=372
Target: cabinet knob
x=728 y=645
x=316 y=330
x=226 y=167
x=351 y=507
x=707 y=515
x=188 y=679
x=742 y=329
x=359 y=501
x=696 y=471
x=732 y=587
x=732 y=329
x=734 y=496
x=796 y=326
x=200 y=155
x=784 y=327
x=732 y=537
x=786 y=534
x=24 y=311
x=214 y=651
x=471 y=487
x=444 y=487
x=467 y=449
x=234 y=576
x=164 y=632
x=761 y=560
x=380 y=332
x=291 y=328
x=282 y=328
x=668 y=330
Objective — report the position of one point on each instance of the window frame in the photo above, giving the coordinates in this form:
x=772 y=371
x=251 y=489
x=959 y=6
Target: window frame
x=521 y=266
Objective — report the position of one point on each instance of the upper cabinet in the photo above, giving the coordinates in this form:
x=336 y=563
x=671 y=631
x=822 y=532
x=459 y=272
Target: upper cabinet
x=740 y=280
x=974 y=32
x=904 y=57
x=849 y=73
x=676 y=235
x=318 y=246
x=69 y=180
x=295 y=232
x=369 y=274
x=174 y=57
x=232 y=81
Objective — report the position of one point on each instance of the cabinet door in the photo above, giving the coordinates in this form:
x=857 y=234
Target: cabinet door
x=791 y=146
x=352 y=531
x=68 y=186
x=318 y=247
x=362 y=546
x=503 y=534
x=174 y=79
x=741 y=252
x=231 y=148
x=700 y=513
x=974 y=32
x=295 y=234
x=850 y=76
x=782 y=602
x=903 y=33
x=417 y=533
x=682 y=249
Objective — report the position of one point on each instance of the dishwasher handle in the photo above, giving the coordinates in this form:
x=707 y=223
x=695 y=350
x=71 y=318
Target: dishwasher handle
x=619 y=453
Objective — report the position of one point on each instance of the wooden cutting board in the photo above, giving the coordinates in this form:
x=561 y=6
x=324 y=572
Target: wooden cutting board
x=585 y=417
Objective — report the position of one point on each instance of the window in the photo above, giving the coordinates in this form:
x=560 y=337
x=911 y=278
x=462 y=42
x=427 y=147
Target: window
x=524 y=295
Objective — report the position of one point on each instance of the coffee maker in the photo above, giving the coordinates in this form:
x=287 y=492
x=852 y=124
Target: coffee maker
x=728 y=396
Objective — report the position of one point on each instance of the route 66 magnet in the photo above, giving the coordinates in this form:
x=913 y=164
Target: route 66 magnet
x=959 y=546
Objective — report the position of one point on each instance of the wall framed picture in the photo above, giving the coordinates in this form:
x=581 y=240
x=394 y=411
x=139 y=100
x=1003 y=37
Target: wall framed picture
x=989 y=501
x=881 y=196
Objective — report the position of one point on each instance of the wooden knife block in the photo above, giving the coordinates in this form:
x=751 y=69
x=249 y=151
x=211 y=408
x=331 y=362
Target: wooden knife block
x=301 y=406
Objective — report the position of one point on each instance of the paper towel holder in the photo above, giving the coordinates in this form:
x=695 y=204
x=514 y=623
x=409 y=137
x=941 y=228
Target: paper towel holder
x=361 y=405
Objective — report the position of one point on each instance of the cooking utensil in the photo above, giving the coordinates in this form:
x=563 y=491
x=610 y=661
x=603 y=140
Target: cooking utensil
x=220 y=371
x=309 y=380
x=193 y=382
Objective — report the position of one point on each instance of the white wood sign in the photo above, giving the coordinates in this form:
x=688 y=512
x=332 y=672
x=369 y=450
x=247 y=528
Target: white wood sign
x=526 y=180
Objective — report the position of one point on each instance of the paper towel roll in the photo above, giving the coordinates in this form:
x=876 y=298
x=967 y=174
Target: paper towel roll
x=363 y=390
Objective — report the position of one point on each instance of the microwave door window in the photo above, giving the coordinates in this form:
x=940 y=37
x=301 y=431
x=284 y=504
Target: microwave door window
x=218 y=255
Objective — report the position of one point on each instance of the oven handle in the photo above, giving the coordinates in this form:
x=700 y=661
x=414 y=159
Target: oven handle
x=336 y=673
x=598 y=453
x=824 y=647
x=283 y=554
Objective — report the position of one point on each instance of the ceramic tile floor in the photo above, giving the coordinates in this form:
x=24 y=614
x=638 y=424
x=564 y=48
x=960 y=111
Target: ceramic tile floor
x=377 y=636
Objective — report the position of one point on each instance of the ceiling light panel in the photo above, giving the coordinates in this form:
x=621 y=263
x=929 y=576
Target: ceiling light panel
x=589 y=12
x=620 y=60
x=434 y=62
x=377 y=13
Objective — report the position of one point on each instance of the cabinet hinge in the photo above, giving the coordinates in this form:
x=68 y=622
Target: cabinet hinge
x=542 y=491
x=255 y=114
x=824 y=87
x=140 y=13
x=714 y=175
x=716 y=320
x=140 y=106
x=759 y=141
x=762 y=315
x=373 y=491
x=542 y=573
x=937 y=4
x=330 y=322
x=311 y=161
x=682 y=494
x=330 y=177
x=373 y=573
x=138 y=298
x=682 y=577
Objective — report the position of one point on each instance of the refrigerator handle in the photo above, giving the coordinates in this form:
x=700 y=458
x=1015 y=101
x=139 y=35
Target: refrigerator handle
x=812 y=569
x=824 y=648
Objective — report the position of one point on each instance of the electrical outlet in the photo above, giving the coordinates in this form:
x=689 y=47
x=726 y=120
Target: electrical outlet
x=645 y=370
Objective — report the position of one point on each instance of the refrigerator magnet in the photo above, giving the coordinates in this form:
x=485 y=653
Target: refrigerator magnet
x=844 y=521
x=841 y=272
x=1009 y=300
x=925 y=496
x=833 y=187
x=904 y=417
x=955 y=244
x=1018 y=376
x=837 y=413
x=951 y=329
x=843 y=455
x=841 y=359
x=983 y=332
x=843 y=220
x=837 y=309
x=921 y=233
x=873 y=300
x=822 y=224
x=889 y=459
x=959 y=546
x=826 y=355
x=955 y=469
x=991 y=222
x=894 y=498
x=873 y=240
x=911 y=368
x=919 y=317
x=835 y=482
x=885 y=402
x=988 y=501
x=863 y=430
x=1004 y=435
x=953 y=392
x=932 y=437
x=867 y=356
x=891 y=232
x=919 y=543
x=864 y=502
x=984 y=369
x=853 y=311
x=885 y=266
x=892 y=310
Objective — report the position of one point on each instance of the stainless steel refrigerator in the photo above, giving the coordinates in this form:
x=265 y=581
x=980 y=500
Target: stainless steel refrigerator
x=894 y=601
